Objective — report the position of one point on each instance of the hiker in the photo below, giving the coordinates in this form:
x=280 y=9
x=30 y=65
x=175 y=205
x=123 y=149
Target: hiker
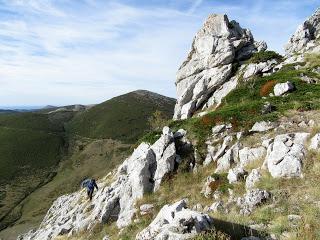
x=89 y=184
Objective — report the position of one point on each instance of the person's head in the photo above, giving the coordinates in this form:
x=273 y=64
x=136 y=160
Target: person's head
x=93 y=180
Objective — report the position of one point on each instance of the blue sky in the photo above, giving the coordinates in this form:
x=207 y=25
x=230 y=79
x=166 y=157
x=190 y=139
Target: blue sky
x=86 y=51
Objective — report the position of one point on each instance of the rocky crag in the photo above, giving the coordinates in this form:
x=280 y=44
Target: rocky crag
x=208 y=73
x=248 y=174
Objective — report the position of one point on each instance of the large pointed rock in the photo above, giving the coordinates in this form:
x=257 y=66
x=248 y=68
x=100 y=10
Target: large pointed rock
x=208 y=67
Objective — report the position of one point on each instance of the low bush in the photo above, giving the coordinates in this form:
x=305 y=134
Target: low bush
x=264 y=56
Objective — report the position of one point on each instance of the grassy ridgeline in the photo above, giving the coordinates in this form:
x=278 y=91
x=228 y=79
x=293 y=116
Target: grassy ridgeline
x=122 y=118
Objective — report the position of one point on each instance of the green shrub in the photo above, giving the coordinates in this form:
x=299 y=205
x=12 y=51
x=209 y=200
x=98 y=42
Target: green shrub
x=264 y=56
x=150 y=137
x=158 y=120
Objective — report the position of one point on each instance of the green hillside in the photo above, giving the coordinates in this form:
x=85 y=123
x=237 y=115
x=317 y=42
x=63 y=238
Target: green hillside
x=122 y=118
x=59 y=147
x=30 y=149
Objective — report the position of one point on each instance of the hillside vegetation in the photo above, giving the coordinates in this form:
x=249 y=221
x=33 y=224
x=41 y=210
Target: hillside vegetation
x=122 y=118
x=31 y=147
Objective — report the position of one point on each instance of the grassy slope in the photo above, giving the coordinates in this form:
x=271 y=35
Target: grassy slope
x=34 y=139
x=242 y=108
x=122 y=118
x=30 y=149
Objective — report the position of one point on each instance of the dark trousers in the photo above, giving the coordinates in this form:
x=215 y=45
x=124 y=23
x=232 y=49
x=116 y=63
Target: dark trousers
x=90 y=192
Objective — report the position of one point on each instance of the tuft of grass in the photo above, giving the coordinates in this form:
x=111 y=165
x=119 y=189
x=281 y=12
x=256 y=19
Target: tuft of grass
x=313 y=61
x=212 y=235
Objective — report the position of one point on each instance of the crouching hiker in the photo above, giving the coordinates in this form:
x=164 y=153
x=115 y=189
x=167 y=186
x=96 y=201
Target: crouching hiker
x=89 y=184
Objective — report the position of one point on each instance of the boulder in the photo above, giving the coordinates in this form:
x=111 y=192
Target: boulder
x=306 y=36
x=286 y=154
x=216 y=207
x=207 y=71
x=315 y=142
x=252 y=199
x=249 y=155
x=236 y=174
x=309 y=80
x=254 y=177
x=262 y=126
x=257 y=68
x=282 y=88
x=225 y=162
x=267 y=108
x=215 y=153
x=218 y=128
x=146 y=209
x=176 y=222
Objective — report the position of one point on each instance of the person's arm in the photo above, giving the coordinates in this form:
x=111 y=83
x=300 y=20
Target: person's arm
x=96 y=186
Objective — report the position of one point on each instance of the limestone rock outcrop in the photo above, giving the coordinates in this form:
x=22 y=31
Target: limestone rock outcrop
x=206 y=76
x=141 y=173
x=176 y=222
x=306 y=38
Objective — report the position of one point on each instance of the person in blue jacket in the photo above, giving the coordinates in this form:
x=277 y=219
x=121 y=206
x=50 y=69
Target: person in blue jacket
x=89 y=184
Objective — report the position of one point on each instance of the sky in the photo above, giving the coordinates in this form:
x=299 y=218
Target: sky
x=62 y=52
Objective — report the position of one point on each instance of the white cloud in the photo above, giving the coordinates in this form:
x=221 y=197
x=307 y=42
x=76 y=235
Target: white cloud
x=64 y=52
x=194 y=6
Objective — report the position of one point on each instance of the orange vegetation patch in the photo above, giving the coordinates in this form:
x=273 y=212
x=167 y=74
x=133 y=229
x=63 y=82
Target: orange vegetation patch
x=267 y=88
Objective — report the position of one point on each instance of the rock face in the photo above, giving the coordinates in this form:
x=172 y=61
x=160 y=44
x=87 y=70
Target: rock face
x=141 y=173
x=205 y=77
x=306 y=36
x=286 y=154
x=176 y=222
